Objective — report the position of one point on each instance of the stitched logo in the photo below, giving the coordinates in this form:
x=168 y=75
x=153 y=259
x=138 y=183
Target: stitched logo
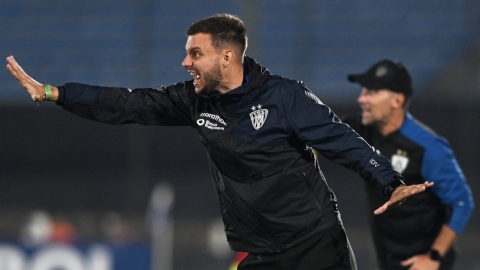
x=258 y=116
x=400 y=161
x=381 y=71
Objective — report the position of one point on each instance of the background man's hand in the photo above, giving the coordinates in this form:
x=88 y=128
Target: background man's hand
x=34 y=88
x=401 y=194
x=421 y=262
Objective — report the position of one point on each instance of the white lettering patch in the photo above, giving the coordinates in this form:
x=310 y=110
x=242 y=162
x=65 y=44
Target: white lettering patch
x=214 y=117
x=211 y=125
x=374 y=162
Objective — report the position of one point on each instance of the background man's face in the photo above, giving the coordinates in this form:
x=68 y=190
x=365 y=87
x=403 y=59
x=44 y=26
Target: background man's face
x=203 y=63
x=376 y=106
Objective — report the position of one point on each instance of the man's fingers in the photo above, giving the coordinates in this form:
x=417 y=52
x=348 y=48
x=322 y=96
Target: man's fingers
x=17 y=67
x=9 y=67
x=419 y=189
x=381 y=209
x=15 y=73
x=19 y=73
x=34 y=88
x=14 y=61
x=14 y=65
x=422 y=187
x=400 y=195
x=13 y=68
x=408 y=262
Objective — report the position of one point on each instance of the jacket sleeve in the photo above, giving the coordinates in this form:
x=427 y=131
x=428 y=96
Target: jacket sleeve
x=441 y=167
x=316 y=125
x=168 y=106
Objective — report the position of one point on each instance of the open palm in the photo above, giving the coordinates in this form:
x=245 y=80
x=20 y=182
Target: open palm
x=34 y=88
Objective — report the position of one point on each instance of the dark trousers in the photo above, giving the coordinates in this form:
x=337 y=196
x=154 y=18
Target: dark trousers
x=388 y=263
x=329 y=249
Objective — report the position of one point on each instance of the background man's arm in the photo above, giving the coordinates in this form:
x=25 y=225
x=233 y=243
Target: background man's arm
x=445 y=240
x=440 y=165
x=442 y=244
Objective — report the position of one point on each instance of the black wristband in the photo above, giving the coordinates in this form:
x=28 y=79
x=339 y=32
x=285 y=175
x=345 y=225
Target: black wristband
x=435 y=255
x=397 y=183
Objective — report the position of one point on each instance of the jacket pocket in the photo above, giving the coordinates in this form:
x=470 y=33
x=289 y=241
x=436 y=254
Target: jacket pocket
x=312 y=192
x=237 y=206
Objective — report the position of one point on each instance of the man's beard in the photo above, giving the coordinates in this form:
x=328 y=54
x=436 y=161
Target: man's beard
x=213 y=79
x=375 y=123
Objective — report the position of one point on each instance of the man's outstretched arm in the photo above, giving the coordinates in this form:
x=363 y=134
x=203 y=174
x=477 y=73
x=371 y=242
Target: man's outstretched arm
x=34 y=88
x=168 y=106
x=401 y=194
x=318 y=127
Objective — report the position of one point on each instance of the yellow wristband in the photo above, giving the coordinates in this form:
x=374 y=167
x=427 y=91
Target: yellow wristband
x=48 y=92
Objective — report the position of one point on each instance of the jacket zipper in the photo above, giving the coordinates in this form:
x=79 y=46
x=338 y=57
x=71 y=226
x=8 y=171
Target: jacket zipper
x=312 y=192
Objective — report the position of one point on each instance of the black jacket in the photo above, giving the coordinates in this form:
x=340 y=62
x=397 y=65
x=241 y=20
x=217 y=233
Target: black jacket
x=271 y=193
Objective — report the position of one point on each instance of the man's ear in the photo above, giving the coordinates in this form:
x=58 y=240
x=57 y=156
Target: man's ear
x=399 y=100
x=228 y=57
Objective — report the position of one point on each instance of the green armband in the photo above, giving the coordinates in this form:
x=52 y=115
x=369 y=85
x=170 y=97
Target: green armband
x=48 y=92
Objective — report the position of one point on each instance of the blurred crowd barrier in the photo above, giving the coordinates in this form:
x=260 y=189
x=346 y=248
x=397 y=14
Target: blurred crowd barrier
x=39 y=240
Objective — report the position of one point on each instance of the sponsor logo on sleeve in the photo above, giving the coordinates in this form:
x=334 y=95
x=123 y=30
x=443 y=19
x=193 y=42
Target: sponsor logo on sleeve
x=374 y=162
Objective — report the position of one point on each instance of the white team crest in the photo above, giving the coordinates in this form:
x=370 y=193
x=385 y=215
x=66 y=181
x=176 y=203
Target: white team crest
x=399 y=163
x=258 y=116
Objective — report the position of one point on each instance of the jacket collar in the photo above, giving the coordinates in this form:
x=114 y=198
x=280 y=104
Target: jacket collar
x=255 y=73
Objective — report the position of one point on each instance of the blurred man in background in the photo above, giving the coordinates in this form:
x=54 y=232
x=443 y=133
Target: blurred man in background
x=257 y=129
x=418 y=235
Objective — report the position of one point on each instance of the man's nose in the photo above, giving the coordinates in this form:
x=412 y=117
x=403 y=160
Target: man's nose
x=187 y=62
x=361 y=98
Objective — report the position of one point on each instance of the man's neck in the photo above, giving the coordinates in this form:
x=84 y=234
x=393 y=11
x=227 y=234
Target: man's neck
x=393 y=124
x=232 y=78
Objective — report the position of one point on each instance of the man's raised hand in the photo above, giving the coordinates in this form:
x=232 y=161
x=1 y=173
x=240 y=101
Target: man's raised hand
x=34 y=88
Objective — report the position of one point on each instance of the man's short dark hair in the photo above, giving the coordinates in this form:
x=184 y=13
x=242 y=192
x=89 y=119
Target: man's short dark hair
x=224 y=29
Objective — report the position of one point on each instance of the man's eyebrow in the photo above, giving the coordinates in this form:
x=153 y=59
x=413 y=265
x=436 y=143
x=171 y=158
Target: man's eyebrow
x=193 y=49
